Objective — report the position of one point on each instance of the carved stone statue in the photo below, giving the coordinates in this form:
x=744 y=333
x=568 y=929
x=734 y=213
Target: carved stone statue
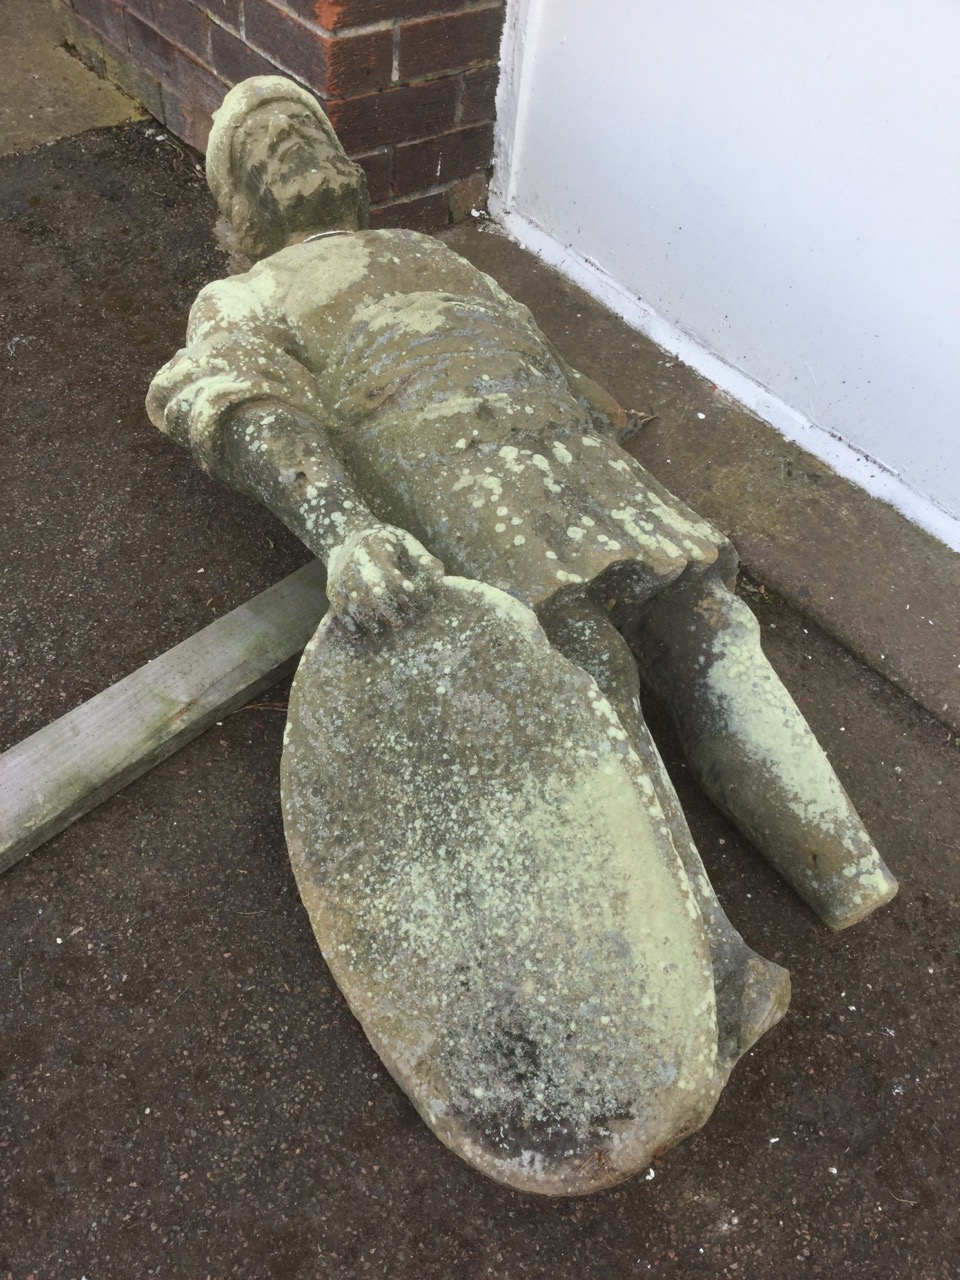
x=493 y=858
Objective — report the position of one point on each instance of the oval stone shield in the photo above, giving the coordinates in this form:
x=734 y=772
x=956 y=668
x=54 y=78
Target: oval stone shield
x=493 y=885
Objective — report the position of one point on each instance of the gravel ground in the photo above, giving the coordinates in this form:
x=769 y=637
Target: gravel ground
x=183 y=1092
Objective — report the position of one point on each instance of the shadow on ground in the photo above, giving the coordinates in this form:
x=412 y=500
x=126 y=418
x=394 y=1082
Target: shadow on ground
x=184 y=1092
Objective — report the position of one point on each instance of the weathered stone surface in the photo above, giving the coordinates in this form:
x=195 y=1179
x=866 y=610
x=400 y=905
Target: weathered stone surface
x=444 y=405
x=754 y=753
x=291 y=147
x=495 y=887
x=493 y=858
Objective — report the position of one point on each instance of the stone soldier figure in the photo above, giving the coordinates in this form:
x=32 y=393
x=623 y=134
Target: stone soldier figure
x=492 y=856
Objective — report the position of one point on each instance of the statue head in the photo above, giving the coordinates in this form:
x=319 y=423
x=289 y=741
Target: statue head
x=277 y=169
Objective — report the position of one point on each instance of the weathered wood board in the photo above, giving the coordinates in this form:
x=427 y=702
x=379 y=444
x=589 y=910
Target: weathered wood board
x=70 y=766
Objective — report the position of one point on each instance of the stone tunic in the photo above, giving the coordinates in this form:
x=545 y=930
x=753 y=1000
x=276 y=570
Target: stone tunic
x=445 y=404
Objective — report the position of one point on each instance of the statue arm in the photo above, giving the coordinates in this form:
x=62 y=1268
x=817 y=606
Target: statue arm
x=248 y=408
x=238 y=351
x=281 y=456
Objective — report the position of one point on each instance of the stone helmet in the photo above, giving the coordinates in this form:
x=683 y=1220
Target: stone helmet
x=259 y=222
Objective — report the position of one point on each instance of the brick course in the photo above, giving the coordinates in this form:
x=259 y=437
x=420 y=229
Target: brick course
x=334 y=14
x=189 y=106
x=412 y=111
x=425 y=213
x=333 y=66
x=225 y=11
x=184 y=24
x=155 y=52
x=410 y=85
x=104 y=17
x=233 y=58
x=478 y=95
x=378 y=167
x=437 y=161
x=449 y=43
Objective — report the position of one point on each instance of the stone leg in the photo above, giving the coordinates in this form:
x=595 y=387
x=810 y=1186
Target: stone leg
x=698 y=649
x=752 y=993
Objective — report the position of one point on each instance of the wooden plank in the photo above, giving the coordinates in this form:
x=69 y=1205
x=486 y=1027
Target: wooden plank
x=68 y=767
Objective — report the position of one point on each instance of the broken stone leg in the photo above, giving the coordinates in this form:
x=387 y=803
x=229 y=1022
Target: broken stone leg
x=698 y=647
x=495 y=886
x=752 y=993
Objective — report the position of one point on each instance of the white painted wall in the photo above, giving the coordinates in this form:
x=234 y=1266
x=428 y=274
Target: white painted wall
x=779 y=183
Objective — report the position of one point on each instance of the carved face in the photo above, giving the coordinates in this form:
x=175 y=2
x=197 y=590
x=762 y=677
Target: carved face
x=295 y=172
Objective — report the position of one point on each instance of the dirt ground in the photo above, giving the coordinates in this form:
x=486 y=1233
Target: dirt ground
x=183 y=1092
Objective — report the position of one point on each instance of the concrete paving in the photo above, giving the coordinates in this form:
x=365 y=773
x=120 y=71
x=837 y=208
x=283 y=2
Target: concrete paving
x=182 y=1089
x=45 y=93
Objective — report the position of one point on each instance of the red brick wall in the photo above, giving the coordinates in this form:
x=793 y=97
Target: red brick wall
x=408 y=84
